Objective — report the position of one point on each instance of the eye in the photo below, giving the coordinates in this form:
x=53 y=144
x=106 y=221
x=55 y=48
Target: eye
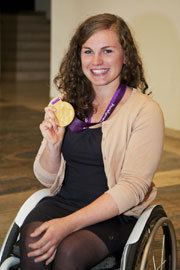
x=87 y=51
x=108 y=51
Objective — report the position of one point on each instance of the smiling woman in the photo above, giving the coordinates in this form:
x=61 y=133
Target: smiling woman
x=102 y=59
x=100 y=167
x=74 y=85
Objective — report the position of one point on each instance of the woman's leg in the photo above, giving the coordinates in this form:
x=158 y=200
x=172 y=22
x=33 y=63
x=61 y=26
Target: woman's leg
x=79 y=251
x=27 y=263
x=47 y=209
x=87 y=247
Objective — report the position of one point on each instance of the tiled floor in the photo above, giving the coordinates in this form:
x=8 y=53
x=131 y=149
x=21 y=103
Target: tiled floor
x=21 y=111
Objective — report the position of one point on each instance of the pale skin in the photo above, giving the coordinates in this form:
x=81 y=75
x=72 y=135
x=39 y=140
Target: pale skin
x=102 y=58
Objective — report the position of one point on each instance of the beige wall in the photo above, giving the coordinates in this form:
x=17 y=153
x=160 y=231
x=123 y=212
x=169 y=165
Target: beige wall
x=155 y=25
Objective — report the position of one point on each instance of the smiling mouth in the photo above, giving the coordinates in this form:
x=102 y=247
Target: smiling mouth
x=99 y=72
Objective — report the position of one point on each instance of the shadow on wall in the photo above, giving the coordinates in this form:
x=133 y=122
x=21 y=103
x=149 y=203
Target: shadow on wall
x=159 y=43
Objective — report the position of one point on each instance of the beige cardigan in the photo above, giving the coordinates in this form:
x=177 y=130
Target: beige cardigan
x=132 y=144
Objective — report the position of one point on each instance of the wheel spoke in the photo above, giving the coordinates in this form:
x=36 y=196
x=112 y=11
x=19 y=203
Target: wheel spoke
x=154 y=262
x=161 y=265
x=162 y=252
x=158 y=263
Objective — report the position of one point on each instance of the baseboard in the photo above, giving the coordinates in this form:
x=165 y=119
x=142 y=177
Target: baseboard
x=172 y=133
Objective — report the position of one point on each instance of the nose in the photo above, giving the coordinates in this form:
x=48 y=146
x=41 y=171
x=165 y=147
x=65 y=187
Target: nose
x=97 y=60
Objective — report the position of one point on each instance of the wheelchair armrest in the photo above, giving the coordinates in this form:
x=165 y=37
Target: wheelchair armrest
x=29 y=204
x=140 y=224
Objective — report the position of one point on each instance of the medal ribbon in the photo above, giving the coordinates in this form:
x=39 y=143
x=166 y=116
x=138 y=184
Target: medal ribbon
x=78 y=125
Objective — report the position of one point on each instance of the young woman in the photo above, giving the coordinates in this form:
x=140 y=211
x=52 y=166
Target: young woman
x=100 y=167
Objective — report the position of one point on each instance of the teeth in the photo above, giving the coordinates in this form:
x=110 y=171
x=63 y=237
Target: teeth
x=99 y=71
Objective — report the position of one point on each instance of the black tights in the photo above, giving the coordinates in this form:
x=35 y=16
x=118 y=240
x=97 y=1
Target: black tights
x=79 y=251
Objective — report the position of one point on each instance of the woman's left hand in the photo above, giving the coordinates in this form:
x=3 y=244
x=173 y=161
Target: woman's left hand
x=54 y=231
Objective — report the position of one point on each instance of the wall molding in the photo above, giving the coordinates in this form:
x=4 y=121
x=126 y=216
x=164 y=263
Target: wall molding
x=172 y=133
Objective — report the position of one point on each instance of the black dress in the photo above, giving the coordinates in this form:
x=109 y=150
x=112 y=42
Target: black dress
x=84 y=181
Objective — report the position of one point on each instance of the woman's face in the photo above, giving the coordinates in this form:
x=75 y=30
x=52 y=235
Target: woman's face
x=102 y=58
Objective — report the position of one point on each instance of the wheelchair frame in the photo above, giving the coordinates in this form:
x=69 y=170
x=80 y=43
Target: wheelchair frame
x=135 y=252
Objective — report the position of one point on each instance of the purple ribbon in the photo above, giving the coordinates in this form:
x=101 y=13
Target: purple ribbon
x=54 y=101
x=78 y=125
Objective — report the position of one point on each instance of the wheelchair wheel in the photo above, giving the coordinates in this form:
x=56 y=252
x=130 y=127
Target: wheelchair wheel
x=156 y=248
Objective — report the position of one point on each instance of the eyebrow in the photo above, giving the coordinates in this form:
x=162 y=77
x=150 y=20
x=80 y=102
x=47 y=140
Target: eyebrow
x=105 y=47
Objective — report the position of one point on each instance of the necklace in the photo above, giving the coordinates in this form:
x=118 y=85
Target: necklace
x=78 y=125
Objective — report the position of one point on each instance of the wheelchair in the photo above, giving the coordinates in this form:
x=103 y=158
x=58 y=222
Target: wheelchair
x=150 y=246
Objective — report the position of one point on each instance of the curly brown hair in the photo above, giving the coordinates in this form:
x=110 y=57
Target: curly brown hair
x=72 y=82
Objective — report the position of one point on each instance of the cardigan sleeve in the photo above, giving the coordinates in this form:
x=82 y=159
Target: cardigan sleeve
x=133 y=187
x=46 y=178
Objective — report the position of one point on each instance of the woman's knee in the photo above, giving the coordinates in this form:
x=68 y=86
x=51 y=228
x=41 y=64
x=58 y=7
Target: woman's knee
x=25 y=233
x=68 y=255
x=68 y=250
x=25 y=239
x=79 y=250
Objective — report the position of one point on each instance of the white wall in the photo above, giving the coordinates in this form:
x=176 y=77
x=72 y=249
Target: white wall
x=64 y=18
x=155 y=26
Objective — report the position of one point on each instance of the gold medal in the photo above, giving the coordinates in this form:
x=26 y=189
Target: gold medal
x=64 y=112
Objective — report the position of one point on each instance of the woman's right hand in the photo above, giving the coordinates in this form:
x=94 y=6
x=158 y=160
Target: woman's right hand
x=50 y=129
